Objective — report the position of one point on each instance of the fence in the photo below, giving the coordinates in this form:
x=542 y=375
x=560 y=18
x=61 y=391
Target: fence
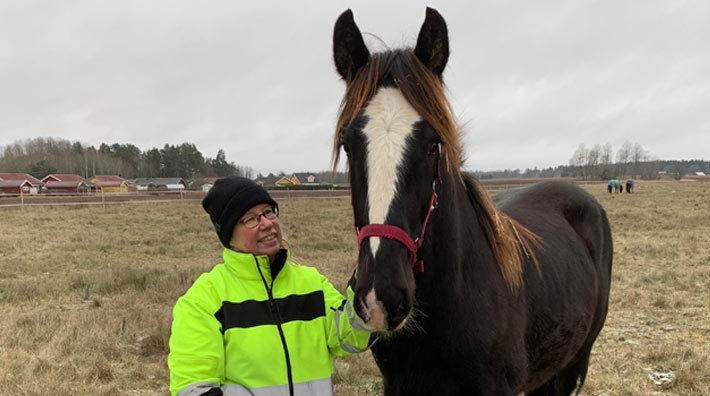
x=133 y=197
x=96 y=198
x=103 y=199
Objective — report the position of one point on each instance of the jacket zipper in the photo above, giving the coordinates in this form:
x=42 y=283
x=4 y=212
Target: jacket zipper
x=277 y=318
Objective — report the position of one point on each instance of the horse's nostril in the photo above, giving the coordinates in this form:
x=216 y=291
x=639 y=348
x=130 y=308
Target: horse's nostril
x=398 y=315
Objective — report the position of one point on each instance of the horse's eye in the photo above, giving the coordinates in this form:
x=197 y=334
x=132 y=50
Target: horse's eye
x=434 y=150
x=346 y=149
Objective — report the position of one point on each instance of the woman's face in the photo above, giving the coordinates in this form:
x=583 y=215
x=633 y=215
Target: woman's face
x=264 y=239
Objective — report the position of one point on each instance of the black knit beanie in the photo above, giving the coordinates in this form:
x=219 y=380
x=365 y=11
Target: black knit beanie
x=229 y=199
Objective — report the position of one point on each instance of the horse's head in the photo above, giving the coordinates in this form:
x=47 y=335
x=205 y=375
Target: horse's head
x=399 y=135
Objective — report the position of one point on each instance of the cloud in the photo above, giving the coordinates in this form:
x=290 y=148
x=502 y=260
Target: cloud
x=531 y=81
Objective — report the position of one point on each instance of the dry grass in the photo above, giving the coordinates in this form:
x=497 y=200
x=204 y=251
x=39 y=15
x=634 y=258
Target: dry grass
x=659 y=318
x=86 y=293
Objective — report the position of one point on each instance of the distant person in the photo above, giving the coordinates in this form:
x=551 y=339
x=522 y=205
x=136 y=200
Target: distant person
x=629 y=186
x=258 y=323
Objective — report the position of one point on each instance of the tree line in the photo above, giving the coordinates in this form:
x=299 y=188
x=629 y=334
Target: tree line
x=42 y=156
x=599 y=163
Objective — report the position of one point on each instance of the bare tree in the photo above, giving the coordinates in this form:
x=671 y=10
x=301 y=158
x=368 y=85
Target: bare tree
x=636 y=157
x=592 y=161
x=638 y=154
x=579 y=157
x=606 y=156
x=245 y=171
x=606 y=160
x=624 y=154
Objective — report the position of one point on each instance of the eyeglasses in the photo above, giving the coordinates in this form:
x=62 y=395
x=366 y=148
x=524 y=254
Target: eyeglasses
x=253 y=220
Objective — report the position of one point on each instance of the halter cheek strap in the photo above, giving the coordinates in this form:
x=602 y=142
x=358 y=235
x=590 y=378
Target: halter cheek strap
x=390 y=231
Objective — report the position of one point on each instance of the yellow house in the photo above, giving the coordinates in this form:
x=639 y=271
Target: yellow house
x=285 y=181
x=110 y=183
x=302 y=178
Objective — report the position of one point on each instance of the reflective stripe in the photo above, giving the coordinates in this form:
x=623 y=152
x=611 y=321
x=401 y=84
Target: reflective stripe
x=198 y=388
x=321 y=387
x=344 y=345
x=238 y=390
x=355 y=321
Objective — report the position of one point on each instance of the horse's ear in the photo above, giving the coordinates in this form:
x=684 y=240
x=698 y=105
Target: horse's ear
x=433 y=42
x=349 y=50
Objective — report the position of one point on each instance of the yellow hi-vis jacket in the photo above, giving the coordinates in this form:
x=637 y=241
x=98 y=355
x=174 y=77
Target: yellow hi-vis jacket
x=241 y=331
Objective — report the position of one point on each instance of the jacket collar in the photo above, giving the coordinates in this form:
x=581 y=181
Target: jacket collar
x=244 y=265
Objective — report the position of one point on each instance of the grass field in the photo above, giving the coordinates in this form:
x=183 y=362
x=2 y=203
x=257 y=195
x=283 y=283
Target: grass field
x=86 y=292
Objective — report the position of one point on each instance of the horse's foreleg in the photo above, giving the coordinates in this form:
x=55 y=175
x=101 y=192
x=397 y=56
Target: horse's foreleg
x=568 y=381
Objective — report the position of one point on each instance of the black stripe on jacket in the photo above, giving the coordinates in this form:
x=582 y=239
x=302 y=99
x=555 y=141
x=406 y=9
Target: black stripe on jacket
x=252 y=313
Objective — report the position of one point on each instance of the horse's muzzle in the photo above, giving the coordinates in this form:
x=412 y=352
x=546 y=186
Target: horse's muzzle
x=383 y=306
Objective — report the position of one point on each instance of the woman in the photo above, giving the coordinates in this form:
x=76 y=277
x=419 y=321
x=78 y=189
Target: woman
x=258 y=323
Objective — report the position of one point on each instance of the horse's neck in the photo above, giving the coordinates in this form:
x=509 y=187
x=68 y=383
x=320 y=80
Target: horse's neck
x=457 y=242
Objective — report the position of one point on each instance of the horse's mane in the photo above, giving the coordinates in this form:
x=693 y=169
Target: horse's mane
x=424 y=91
x=509 y=240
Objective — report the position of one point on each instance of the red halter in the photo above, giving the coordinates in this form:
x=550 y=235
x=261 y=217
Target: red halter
x=390 y=231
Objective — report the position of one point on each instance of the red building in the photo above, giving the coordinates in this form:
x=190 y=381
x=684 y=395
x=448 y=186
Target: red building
x=19 y=183
x=65 y=183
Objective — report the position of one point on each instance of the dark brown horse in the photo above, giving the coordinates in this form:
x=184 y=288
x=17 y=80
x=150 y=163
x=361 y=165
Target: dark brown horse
x=472 y=296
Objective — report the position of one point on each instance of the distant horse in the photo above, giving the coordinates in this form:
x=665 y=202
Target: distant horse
x=613 y=185
x=471 y=296
x=630 y=185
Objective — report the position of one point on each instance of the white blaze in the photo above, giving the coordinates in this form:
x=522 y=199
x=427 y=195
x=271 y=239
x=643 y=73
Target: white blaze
x=390 y=121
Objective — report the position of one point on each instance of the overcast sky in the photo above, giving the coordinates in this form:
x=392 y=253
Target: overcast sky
x=529 y=80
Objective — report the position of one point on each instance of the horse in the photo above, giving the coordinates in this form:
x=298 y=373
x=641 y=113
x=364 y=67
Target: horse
x=630 y=185
x=614 y=185
x=467 y=294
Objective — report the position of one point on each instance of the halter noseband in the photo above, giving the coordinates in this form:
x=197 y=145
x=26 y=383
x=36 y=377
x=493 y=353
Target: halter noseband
x=390 y=231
